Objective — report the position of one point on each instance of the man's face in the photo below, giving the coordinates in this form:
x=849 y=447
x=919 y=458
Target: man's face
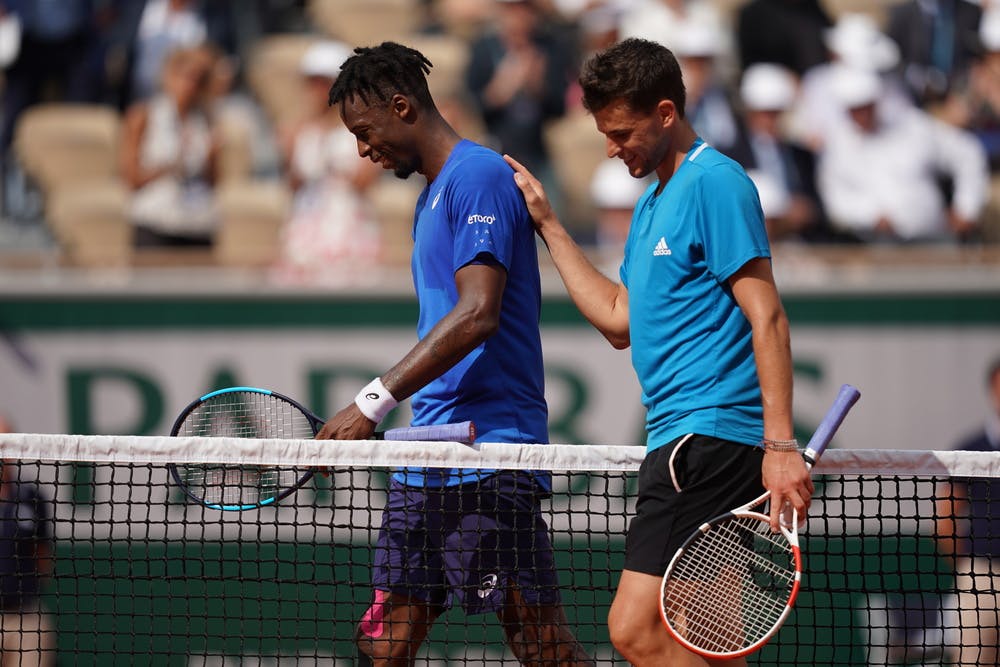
x=865 y=117
x=765 y=121
x=384 y=137
x=639 y=139
x=517 y=22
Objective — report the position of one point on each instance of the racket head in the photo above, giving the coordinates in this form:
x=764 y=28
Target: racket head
x=242 y=412
x=731 y=585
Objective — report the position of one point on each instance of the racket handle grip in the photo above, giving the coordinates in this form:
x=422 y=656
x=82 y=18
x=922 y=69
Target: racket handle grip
x=847 y=397
x=464 y=432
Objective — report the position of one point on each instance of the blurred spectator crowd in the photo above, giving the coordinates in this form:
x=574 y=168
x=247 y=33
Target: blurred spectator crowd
x=203 y=124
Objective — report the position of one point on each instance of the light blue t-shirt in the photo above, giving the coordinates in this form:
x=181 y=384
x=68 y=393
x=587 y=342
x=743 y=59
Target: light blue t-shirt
x=474 y=212
x=691 y=342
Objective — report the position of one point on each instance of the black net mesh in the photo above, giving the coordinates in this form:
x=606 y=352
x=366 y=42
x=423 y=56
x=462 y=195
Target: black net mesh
x=110 y=563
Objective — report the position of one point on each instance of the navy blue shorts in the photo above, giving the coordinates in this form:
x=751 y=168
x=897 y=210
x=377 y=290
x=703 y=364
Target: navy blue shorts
x=467 y=544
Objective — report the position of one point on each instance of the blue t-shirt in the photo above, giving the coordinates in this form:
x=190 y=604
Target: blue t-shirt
x=691 y=342
x=473 y=212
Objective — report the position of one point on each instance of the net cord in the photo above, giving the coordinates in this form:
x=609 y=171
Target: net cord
x=394 y=453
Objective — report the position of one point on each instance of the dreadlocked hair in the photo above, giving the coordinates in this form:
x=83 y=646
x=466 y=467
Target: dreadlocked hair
x=379 y=72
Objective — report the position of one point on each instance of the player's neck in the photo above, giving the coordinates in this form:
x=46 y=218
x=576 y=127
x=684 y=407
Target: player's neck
x=437 y=142
x=680 y=144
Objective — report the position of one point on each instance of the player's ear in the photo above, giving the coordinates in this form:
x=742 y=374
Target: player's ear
x=401 y=107
x=667 y=111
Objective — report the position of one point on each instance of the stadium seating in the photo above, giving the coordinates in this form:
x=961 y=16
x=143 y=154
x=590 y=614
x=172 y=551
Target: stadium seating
x=235 y=161
x=273 y=74
x=252 y=214
x=449 y=56
x=393 y=200
x=462 y=18
x=89 y=222
x=71 y=151
x=60 y=144
x=576 y=149
x=365 y=22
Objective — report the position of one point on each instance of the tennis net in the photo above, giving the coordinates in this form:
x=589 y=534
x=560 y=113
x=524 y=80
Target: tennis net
x=139 y=574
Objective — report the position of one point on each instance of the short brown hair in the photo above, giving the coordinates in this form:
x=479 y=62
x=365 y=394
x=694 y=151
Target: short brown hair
x=638 y=71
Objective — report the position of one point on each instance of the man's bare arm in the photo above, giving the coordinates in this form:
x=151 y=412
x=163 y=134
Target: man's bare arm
x=599 y=299
x=474 y=318
x=784 y=473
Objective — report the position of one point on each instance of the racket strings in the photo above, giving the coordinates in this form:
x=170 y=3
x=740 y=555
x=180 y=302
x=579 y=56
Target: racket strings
x=242 y=415
x=246 y=415
x=236 y=485
x=731 y=585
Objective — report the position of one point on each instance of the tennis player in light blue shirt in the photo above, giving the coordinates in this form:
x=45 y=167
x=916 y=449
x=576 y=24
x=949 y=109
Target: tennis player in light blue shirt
x=710 y=341
x=691 y=346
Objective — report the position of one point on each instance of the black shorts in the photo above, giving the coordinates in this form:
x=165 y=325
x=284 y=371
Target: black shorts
x=681 y=485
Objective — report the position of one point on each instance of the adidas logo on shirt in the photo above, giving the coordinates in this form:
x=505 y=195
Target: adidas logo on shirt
x=661 y=248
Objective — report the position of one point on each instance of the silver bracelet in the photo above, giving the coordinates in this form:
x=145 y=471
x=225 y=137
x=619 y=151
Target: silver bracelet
x=770 y=445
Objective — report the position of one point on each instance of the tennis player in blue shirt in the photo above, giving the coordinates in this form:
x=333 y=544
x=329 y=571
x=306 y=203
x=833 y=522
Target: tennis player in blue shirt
x=709 y=337
x=471 y=537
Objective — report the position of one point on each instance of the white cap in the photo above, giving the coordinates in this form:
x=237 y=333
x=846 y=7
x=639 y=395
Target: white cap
x=989 y=29
x=767 y=87
x=613 y=187
x=774 y=199
x=854 y=87
x=698 y=39
x=324 y=59
x=857 y=41
x=600 y=19
x=10 y=39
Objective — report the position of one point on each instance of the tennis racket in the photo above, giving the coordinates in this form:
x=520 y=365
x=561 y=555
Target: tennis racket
x=248 y=412
x=732 y=584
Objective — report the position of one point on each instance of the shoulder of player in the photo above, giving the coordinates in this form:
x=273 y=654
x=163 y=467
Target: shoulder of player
x=482 y=165
x=716 y=170
x=707 y=158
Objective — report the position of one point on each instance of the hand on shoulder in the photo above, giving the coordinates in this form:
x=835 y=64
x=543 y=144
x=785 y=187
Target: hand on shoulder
x=534 y=195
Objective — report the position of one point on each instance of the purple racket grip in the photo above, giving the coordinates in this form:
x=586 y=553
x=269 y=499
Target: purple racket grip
x=464 y=432
x=847 y=397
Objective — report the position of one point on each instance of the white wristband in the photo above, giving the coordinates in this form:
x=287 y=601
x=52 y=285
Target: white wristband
x=375 y=401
